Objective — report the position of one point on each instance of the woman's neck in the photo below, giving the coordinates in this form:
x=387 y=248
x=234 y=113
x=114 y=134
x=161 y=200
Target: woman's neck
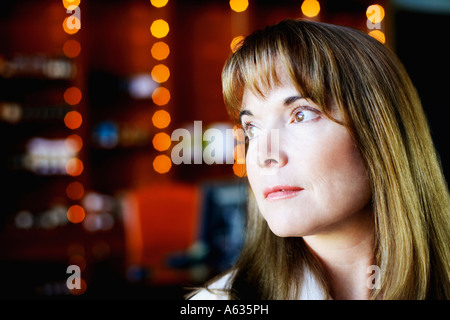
x=346 y=252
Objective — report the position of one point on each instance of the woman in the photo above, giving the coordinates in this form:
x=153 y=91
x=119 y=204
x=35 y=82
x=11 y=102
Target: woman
x=347 y=200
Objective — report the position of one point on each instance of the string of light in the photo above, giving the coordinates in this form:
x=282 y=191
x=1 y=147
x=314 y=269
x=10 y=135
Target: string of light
x=161 y=96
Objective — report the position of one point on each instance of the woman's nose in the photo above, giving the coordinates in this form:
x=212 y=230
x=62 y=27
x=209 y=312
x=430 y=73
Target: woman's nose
x=269 y=153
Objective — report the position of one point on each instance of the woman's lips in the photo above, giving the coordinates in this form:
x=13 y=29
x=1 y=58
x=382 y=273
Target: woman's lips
x=281 y=192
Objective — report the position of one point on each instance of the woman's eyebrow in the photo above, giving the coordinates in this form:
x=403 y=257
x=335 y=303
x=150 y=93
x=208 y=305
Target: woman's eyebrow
x=286 y=102
x=292 y=99
x=244 y=113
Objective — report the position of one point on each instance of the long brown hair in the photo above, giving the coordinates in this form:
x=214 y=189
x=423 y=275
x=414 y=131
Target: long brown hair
x=384 y=116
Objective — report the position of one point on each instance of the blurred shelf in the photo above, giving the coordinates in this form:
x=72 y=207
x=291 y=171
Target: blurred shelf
x=54 y=245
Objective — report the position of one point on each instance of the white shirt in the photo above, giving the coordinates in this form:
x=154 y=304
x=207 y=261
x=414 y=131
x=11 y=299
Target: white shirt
x=310 y=290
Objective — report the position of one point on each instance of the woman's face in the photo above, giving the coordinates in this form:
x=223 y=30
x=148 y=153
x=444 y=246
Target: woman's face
x=306 y=174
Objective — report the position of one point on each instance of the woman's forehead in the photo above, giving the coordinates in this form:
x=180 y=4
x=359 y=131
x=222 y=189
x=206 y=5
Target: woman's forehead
x=282 y=93
x=275 y=84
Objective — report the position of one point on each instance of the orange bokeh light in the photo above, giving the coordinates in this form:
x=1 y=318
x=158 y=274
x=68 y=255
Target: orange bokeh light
x=159 y=28
x=73 y=120
x=161 y=96
x=160 y=50
x=159 y=3
x=239 y=153
x=75 y=190
x=76 y=214
x=238 y=5
x=68 y=3
x=239 y=169
x=72 y=96
x=162 y=164
x=375 y=13
x=71 y=48
x=83 y=288
x=379 y=35
x=161 y=141
x=71 y=25
x=73 y=143
x=79 y=260
x=74 y=167
x=160 y=73
x=161 y=119
x=236 y=43
x=310 y=8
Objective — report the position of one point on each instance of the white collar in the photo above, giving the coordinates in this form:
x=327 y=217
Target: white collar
x=310 y=289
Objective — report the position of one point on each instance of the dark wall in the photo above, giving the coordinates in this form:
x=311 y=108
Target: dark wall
x=422 y=44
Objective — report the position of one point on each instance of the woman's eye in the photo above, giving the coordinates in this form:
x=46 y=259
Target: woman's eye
x=299 y=116
x=251 y=131
x=304 y=115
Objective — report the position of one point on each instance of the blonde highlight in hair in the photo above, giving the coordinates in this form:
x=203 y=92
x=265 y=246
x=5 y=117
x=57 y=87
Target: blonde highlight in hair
x=384 y=116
